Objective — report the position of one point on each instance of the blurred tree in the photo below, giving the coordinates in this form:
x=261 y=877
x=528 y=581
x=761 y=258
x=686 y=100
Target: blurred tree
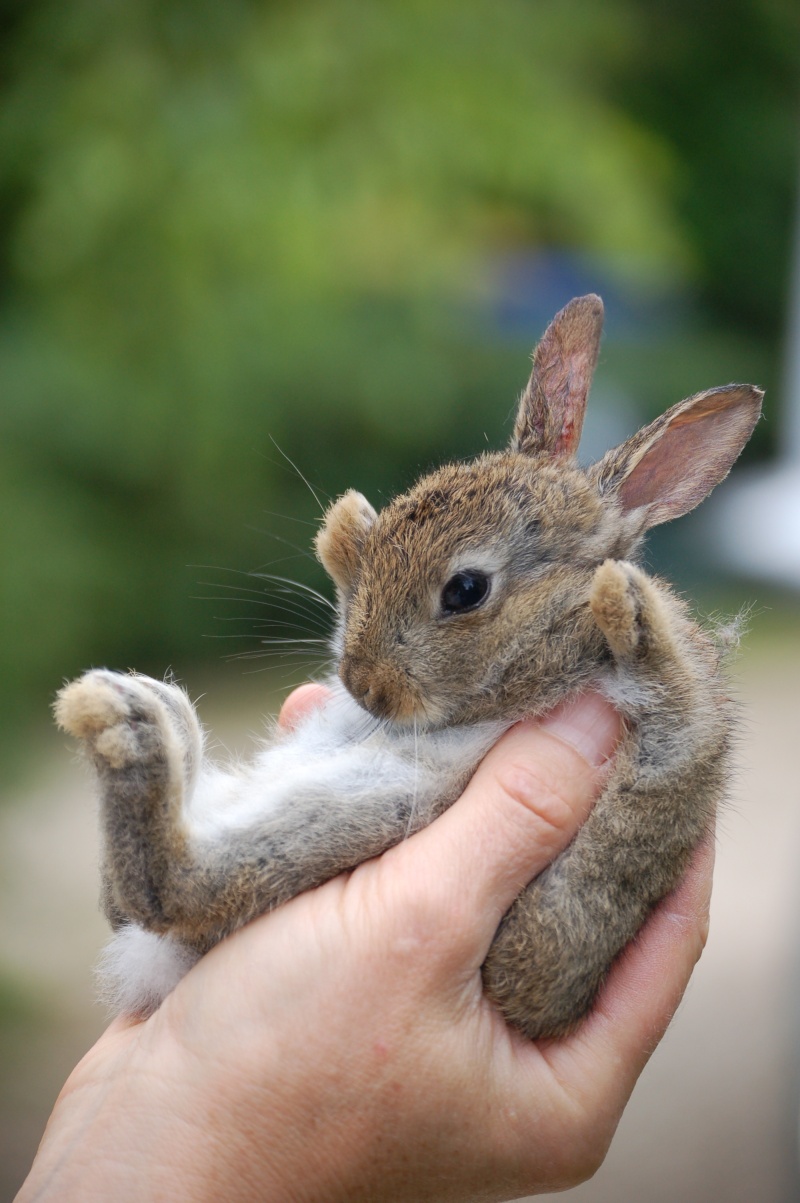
x=720 y=84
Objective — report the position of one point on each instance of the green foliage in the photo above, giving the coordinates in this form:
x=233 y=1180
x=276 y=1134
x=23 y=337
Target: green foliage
x=720 y=85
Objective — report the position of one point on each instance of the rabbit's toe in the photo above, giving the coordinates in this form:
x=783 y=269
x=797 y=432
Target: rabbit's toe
x=87 y=707
x=181 y=716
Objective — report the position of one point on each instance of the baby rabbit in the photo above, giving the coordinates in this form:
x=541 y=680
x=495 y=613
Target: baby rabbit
x=490 y=591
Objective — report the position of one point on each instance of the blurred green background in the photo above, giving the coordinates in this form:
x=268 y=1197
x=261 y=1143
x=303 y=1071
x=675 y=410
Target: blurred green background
x=235 y=235
x=342 y=226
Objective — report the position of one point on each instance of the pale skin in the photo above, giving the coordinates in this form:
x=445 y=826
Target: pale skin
x=341 y=1048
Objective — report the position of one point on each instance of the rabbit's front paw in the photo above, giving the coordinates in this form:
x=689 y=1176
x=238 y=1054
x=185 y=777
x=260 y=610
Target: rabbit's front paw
x=627 y=608
x=122 y=719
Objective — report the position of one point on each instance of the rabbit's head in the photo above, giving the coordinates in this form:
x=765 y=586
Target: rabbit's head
x=466 y=597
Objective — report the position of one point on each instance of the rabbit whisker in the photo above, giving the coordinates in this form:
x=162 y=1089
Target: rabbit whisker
x=269 y=576
x=413 y=808
x=306 y=482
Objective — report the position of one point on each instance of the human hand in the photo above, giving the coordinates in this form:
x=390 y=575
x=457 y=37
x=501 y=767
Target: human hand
x=341 y=1048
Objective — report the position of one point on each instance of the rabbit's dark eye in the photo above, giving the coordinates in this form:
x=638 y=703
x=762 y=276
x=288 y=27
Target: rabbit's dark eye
x=465 y=591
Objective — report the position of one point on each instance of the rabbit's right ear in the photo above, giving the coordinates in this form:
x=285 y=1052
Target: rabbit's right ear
x=340 y=540
x=551 y=410
x=668 y=467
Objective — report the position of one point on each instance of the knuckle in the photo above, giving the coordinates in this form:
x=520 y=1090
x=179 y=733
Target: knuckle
x=539 y=799
x=412 y=932
x=692 y=930
x=430 y=916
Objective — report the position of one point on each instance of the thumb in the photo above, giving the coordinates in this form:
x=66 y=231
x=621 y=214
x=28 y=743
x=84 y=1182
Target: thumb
x=524 y=805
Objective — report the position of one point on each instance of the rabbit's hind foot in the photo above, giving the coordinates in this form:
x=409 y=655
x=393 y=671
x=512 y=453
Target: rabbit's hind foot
x=122 y=719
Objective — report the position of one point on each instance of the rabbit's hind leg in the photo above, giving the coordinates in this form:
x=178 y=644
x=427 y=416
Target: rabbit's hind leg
x=146 y=745
x=556 y=943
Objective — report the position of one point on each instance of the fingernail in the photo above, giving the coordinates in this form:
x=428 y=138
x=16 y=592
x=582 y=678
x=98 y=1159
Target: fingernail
x=589 y=724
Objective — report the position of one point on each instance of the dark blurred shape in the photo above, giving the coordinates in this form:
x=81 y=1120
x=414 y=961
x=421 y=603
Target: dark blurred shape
x=756 y=525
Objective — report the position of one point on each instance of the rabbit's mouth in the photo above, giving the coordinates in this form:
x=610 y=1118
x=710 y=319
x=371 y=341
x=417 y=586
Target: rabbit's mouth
x=403 y=711
x=389 y=694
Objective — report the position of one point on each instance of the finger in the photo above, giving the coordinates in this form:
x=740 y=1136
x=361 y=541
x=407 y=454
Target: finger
x=522 y=807
x=643 y=989
x=300 y=703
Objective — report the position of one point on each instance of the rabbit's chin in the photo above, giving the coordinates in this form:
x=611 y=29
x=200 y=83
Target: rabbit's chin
x=402 y=707
x=424 y=720
x=404 y=712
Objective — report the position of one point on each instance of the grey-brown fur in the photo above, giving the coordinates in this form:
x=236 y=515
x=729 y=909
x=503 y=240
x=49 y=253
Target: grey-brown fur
x=567 y=609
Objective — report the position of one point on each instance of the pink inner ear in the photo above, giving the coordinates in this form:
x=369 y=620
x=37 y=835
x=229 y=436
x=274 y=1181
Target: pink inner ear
x=693 y=453
x=573 y=393
x=653 y=478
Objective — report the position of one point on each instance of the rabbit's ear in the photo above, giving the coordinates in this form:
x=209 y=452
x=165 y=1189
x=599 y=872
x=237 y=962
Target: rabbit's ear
x=340 y=540
x=550 y=414
x=671 y=465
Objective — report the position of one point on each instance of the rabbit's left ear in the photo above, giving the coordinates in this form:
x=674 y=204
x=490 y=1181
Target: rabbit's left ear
x=341 y=538
x=670 y=466
x=551 y=410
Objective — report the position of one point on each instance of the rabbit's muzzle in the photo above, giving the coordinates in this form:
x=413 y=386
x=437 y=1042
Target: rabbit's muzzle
x=380 y=689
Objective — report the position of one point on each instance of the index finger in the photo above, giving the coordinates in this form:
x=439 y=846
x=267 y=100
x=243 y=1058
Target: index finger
x=300 y=702
x=644 y=987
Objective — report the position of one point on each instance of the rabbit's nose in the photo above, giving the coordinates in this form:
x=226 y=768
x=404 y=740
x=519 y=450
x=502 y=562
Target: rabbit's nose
x=367 y=689
x=377 y=701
